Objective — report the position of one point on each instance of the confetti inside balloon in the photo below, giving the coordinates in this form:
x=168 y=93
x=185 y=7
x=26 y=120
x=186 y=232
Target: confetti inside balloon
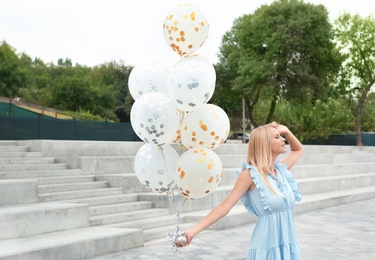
x=154 y=118
x=191 y=84
x=185 y=29
x=148 y=77
x=199 y=173
x=206 y=127
x=155 y=166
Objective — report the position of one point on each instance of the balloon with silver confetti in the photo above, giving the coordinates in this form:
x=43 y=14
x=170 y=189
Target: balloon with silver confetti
x=147 y=77
x=154 y=118
x=191 y=84
x=155 y=167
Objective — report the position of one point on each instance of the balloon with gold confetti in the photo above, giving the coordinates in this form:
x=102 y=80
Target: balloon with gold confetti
x=185 y=29
x=206 y=127
x=199 y=172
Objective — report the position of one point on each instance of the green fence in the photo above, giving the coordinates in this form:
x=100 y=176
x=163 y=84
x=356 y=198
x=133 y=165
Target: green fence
x=368 y=139
x=25 y=125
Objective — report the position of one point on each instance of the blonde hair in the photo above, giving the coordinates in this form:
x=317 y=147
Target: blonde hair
x=260 y=153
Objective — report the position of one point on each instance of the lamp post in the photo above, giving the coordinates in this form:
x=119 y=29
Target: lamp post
x=244 y=124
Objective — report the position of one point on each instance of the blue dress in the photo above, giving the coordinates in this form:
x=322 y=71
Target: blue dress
x=274 y=236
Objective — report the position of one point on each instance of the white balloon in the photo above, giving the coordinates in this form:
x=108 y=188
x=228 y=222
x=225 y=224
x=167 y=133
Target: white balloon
x=185 y=29
x=177 y=136
x=155 y=167
x=196 y=56
x=191 y=84
x=206 y=127
x=154 y=118
x=199 y=173
x=147 y=77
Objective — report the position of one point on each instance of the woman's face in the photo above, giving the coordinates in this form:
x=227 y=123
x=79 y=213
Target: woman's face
x=277 y=142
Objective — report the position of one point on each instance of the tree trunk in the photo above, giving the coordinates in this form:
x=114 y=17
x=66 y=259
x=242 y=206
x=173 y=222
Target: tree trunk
x=358 y=118
x=272 y=109
x=358 y=130
x=250 y=110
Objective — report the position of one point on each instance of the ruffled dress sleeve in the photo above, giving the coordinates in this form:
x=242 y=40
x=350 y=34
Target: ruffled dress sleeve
x=289 y=177
x=260 y=186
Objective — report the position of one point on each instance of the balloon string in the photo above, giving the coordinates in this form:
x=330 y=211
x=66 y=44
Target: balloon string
x=173 y=196
x=173 y=235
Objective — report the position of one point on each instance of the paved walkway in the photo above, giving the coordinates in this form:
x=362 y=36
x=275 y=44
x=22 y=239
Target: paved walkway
x=335 y=233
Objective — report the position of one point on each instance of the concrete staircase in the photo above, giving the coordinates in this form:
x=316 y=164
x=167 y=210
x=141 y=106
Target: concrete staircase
x=80 y=199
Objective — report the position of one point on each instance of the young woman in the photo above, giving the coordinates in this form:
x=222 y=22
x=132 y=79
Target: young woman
x=267 y=190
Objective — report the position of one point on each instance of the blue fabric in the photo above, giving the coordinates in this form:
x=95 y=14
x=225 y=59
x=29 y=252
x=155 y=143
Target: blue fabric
x=274 y=236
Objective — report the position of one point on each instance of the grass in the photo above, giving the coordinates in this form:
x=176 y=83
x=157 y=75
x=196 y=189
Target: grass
x=47 y=113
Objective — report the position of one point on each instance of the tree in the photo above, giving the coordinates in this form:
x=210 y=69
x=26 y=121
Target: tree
x=368 y=117
x=12 y=77
x=356 y=41
x=116 y=75
x=283 y=51
x=318 y=120
x=67 y=62
x=226 y=98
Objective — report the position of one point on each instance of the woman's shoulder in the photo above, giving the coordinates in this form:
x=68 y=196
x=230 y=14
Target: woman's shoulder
x=247 y=166
x=252 y=170
x=281 y=166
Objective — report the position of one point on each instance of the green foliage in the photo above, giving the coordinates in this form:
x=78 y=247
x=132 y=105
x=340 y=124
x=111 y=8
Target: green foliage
x=321 y=119
x=12 y=76
x=224 y=96
x=83 y=115
x=368 y=116
x=355 y=37
x=116 y=75
x=282 y=51
x=98 y=92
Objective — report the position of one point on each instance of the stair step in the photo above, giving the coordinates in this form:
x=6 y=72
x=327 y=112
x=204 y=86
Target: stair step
x=38 y=218
x=30 y=167
x=239 y=216
x=25 y=161
x=239 y=148
x=332 y=183
x=333 y=198
x=107 y=199
x=162 y=231
x=8 y=143
x=147 y=223
x=327 y=176
x=20 y=154
x=318 y=170
x=120 y=207
x=66 y=195
x=11 y=148
x=336 y=158
x=236 y=160
x=50 y=188
x=41 y=173
x=66 y=179
x=76 y=244
x=326 y=183
x=127 y=216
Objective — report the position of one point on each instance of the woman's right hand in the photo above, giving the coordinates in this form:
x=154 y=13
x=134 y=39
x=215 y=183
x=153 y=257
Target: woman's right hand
x=189 y=237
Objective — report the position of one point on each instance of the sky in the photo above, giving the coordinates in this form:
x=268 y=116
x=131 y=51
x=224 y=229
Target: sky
x=94 y=32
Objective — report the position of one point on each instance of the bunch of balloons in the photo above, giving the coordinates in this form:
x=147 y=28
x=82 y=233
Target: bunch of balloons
x=171 y=107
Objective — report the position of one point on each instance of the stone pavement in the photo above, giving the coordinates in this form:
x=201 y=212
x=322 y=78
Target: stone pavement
x=340 y=232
